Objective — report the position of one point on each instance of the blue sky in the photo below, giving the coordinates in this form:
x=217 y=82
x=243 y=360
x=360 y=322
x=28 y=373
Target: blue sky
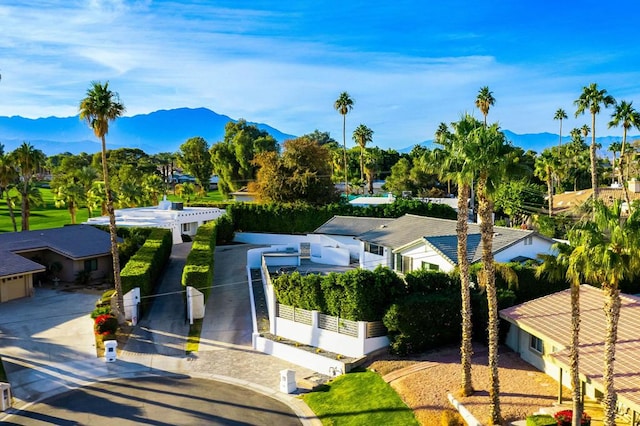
x=408 y=65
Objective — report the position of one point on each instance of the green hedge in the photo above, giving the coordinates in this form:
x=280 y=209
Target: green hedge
x=198 y=270
x=302 y=218
x=144 y=267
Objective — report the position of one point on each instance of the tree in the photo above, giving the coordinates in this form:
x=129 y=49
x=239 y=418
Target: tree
x=546 y=168
x=28 y=160
x=8 y=180
x=362 y=135
x=462 y=171
x=185 y=191
x=99 y=107
x=233 y=157
x=343 y=105
x=322 y=138
x=194 y=157
x=301 y=173
x=519 y=199
x=591 y=100
x=484 y=101
x=153 y=186
x=605 y=251
x=70 y=195
x=628 y=117
x=560 y=115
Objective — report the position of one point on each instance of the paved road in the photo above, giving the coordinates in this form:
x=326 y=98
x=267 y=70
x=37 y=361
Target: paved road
x=177 y=400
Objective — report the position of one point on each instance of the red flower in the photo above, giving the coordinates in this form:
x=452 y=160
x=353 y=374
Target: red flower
x=566 y=416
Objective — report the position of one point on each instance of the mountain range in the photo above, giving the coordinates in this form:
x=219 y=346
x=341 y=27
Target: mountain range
x=166 y=130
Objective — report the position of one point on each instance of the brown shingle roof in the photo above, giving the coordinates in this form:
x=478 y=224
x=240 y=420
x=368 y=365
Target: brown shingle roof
x=549 y=318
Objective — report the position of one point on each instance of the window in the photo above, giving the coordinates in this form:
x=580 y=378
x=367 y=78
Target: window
x=528 y=241
x=91 y=265
x=536 y=344
x=374 y=249
x=185 y=227
x=430 y=266
x=403 y=264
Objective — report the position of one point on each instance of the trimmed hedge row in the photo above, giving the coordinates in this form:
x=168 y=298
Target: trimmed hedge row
x=145 y=266
x=198 y=270
x=302 y=218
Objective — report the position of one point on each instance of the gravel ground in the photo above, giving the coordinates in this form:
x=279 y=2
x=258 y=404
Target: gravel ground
x=523 y=389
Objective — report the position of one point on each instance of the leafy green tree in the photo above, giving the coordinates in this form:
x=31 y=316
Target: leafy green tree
x=484 y=101
x=233 y=157
x=322 y=138
x=186 y=191
x=343 y=105
x=195 y=158
x=28 y=160
x=560 y=115
x=362 y=135
x=628 y=117
x=592 y=99
x=99 y=107
x=519 y=199
x=301 y=173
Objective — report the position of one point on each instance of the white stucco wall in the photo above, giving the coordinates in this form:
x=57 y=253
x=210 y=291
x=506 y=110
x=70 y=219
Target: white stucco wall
x=538 y=246
x=423 y=253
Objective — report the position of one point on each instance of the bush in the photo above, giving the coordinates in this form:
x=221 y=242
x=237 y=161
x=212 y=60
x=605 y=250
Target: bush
x=105 y=299
x=224 y=230
x=144 y=267
x=83 y=277
x=424 y=282
x=451 y=418
x=541 y=420
x=100 y=310
x=105 y=324
x=198 y=269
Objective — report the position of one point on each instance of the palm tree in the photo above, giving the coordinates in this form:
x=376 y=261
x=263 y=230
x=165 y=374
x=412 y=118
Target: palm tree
x=456 y=166
x=98 y=108
x=28 y=159
x=484 y=101
x=545 y=168
x=343 y=105
x=70 y=194
x=592 y=99
x=606 y=251
x=556 y=267
x=560 y=115
x=626 y=115
x=615 y=147
x=8 y=180
x=362 y=135
x=153 y=186
x=491 y=156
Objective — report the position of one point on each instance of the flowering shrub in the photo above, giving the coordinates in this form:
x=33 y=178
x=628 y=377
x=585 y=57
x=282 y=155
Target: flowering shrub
x=105 y=324
x=565 y=417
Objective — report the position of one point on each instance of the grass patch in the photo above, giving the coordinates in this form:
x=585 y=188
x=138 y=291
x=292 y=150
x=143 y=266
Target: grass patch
x=193 y=339
x=359 y=398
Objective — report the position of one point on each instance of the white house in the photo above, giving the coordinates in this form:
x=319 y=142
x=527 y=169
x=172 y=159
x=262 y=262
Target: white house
x=174 y=216
x=540 y=332
x=414 y=242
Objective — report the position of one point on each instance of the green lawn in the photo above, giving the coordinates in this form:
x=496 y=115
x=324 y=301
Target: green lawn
x=49 y=216
x=359 y=398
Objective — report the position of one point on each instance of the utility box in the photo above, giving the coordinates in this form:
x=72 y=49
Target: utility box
x=5 y=396
x=110 y=353
x=288 y=381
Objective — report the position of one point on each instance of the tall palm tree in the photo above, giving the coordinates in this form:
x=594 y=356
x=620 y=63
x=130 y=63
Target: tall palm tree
x=70 y=194
x=484 y=101
x=343 y=105
x=28 y=159
x=8 y=180
x=625 y=115
x=592 y=99
x=455 y=166
x=491 y=156
x=560 y=115
x=98 y=108
x=545 y=168
x=606 y=251
x=556 y=268
x=362 y=135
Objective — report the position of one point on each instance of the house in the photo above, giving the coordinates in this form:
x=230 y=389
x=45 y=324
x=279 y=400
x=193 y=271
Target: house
x=364 y=201
x=174 y=216
x=540 y=331
x=414 y=242
x=27 y=255
x=569 y=201
x=243 y=195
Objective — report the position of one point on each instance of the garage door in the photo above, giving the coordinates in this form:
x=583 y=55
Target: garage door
x=13 y=288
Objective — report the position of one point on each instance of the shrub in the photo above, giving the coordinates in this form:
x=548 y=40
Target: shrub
x=100 y=310
x=565 y=417
x=451 y=418
x=105 y=299
x=144 y=267
x=105 y=324
x=224 y=229
x=541 y=420
x=198 y=269
x=83 y=277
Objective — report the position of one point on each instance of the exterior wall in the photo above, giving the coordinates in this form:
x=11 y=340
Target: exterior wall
x=372 y=261
x=424 y=253
x=537 y=246
x=16 y=287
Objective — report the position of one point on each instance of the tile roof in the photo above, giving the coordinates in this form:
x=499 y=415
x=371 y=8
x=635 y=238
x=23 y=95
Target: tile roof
x=351 y=225
x=568 y=200
x=74 y=242
x=441 y=235
x=549 y=318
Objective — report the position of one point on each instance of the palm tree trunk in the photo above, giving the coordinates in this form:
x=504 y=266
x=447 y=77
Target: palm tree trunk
x=550 y=192
x=612 y=314
x=113 y=236
x=621 y=165
x=576 y=386
x=594 y=160
x=25 y=206
x=72 y=212
x=466 y=348
x=11 y=215
x=485 y=210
